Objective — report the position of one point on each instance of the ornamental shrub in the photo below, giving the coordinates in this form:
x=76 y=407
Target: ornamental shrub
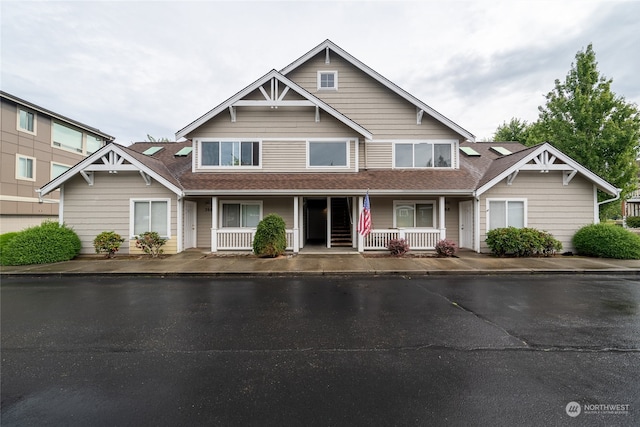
x=633 y=221
x=607 y=241
x=521 y=242
x=43 y=244
x=270 y=239
x=150 y=242
x=108 y=242
x=398 y=247
x=446 y=248
x=4 y=239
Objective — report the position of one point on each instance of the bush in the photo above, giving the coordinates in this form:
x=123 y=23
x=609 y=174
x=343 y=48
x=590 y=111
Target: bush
x=398 y=247
x=607 y=241
x=150 y=243
x=633 y=221
x=4 y=240
x=521 y=242
x=270 y=239
x=108 y=242
x=43 y=244
x=446 y=248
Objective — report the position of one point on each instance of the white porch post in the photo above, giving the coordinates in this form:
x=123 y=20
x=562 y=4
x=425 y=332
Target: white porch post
x=180 y=219
x=328 y=222
x=296 y=226
x=360 y=237
x=214 y=224
x=443 y=229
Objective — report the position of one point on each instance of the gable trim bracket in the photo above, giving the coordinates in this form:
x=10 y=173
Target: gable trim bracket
x=567 y=176
x=512 y=177
x=146 y=177
x=88 y=176
x=419 y=114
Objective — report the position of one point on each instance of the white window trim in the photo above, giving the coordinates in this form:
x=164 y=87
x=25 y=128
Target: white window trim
x=237 y=202
x=414 y=203
x=452 y=145
x=57 y=164
x=514 y=199
x=228 y=168
x=33 y=162
x=335 y=80
x=35 y=120
x=347 y=142
x=151 y=199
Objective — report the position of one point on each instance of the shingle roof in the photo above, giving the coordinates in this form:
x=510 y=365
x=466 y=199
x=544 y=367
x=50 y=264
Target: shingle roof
x=473 y=172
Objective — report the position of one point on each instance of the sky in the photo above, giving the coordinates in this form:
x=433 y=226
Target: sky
x=133 y=69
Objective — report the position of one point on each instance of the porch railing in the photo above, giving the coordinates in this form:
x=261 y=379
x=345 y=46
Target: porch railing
x=240 y=239
x=417 y=239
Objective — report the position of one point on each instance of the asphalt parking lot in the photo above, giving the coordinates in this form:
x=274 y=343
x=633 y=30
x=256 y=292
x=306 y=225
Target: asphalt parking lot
x=454 y=350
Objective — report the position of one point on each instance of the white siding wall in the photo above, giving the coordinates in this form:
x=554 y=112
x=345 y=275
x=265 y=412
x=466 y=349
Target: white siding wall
x=551 y=206
x=105 y=207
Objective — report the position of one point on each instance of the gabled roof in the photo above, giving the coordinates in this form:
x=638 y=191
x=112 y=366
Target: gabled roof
x=56 y=116
x=542 y=157
x=115 y=157
x=328 y=44
x=273 y=74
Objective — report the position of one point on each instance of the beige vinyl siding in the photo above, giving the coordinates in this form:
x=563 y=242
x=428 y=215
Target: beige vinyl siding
x=265 y=122
x=551 y=206
x=368 y=103
x=379 y=155
x=452 y=220
x=105 y=206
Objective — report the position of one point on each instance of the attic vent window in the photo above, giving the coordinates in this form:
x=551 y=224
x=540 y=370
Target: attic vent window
x=151 y=151
x=184 y=152
x=327 y=80
x=501 y=150
x=469 y=151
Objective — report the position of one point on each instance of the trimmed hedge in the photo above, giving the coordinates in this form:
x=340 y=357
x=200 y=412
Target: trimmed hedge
x=43 y=244
x=633 y=221
x=607 y=241
x=270 y=240
x=521 y=242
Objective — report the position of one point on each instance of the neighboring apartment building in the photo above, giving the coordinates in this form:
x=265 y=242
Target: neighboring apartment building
x=631 y=207
x=37 y=145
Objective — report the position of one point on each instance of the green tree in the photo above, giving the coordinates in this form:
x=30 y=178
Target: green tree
x=515 y=130
x=152 y=139
x=587 y=121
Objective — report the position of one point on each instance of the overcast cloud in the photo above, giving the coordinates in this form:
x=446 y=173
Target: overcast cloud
x=138 y=68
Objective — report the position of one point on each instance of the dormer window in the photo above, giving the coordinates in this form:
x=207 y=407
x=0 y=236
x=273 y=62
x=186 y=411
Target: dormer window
x=327 y=80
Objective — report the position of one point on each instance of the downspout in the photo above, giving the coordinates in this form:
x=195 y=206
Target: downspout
x=612 y=200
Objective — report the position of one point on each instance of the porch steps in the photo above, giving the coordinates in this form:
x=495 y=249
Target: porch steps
x=340 y=223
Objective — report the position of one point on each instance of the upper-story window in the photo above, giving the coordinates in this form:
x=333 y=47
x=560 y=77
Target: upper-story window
x=74 y=140
x=25 y=167
x=26 y=120
x=327 y=80
x=66 y=137
x=328 y=153
x=58 y=169
x=422 y=155
x=230 y=153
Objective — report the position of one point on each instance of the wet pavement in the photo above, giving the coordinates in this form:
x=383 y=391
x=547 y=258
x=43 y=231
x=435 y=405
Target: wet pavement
x=198 y=262
x=320 y=350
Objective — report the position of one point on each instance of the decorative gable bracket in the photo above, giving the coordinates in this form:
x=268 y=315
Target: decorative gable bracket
x=545 y=162
x=273 y=99
x=111 y=162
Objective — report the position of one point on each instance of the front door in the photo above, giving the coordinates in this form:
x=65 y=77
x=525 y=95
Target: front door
x=190 y=236
x=466 y=224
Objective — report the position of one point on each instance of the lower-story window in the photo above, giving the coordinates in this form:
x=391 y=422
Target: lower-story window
x=241 y=214
x=410 y=214
x=151 y=215
x=506 y=213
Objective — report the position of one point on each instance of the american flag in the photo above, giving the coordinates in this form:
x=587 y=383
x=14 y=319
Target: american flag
x=364 y=222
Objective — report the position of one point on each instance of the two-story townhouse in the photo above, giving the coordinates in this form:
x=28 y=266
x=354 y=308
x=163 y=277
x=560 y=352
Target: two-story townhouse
x=309 y=142
x=37 y=145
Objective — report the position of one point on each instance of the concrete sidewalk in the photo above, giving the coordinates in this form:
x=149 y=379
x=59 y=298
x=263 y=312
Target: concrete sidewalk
x=199 y=263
